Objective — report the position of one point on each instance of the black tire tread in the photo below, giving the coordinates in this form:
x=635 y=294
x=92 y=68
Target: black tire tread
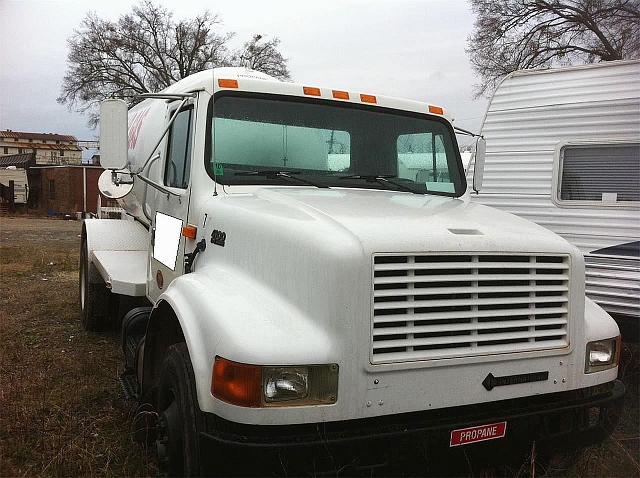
x=95 y=316
x=177 y=373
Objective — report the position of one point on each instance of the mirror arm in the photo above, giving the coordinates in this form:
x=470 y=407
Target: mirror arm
x=166 y=96
x=157 y=186
x=153 y=150
x=467 y=132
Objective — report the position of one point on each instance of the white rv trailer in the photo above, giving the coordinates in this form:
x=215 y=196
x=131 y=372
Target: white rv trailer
x=20 y=183
x=563 y=150
x=318 y=279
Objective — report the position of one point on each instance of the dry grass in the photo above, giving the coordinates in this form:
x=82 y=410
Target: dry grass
x=61 y=408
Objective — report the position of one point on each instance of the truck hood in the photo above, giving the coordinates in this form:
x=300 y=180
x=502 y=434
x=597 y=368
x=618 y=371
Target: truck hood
x=388 y=221
x=297 y=263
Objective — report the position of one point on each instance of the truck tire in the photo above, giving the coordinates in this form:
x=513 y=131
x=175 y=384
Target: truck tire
x=180 y=417
x=94 y=297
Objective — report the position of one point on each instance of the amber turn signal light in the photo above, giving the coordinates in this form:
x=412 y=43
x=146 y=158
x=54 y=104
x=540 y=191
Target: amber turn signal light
x=189 y=231
x=237 y=383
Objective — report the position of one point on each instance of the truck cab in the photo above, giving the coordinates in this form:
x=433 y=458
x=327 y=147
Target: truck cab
x=309 y=271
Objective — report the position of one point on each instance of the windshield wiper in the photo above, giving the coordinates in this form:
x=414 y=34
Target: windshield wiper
x=270 y=174
x=384 y=179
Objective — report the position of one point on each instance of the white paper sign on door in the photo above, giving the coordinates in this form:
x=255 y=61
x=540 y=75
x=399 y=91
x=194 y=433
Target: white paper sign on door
x=167 y=240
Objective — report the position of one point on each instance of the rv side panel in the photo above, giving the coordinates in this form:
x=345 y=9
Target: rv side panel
x=533 y=118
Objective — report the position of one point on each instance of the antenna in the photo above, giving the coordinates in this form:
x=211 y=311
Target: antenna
x=213 y=126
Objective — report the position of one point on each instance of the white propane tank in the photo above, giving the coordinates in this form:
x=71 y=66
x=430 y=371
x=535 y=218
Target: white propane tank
x=146 y=123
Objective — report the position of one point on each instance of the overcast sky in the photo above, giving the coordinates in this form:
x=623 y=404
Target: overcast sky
x=406 y=48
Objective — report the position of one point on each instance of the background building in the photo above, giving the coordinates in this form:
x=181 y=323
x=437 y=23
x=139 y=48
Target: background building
x=68 y=189
x=47 y=148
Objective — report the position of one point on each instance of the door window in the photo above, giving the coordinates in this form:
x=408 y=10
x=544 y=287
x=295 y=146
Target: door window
x=178 y=164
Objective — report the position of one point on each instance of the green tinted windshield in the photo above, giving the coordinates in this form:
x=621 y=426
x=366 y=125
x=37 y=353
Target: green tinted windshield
x=338 y=145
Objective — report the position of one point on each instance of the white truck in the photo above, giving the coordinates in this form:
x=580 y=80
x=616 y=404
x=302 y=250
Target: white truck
x=316 y=277
x=20 y=183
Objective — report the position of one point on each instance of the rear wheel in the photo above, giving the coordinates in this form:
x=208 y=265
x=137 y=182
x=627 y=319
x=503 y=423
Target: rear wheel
x=94 y=297
x=180 y=418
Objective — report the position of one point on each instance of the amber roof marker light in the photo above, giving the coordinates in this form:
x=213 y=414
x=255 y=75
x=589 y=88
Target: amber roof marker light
x=311 y=91
x=340 y=95
x=226 y=83
x=436 y=110
x=368 y=99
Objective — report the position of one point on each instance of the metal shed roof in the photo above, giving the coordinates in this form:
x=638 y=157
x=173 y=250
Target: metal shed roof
x=23 y=160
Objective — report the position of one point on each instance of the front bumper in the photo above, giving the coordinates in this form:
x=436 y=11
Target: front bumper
x=555 y=414
x=585 y=415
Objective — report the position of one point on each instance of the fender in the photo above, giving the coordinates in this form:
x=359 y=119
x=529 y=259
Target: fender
x=113 y=235
x=598 y=323
x=225 y=313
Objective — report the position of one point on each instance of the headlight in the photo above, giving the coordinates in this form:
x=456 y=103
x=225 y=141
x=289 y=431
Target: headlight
x=274 y=386
x=602 y=354
x=282 y=384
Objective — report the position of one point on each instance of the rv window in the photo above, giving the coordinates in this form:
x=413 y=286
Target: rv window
x=178 y=164
x=607 y=173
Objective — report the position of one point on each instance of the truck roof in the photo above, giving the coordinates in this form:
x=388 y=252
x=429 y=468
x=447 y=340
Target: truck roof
x=244 y=79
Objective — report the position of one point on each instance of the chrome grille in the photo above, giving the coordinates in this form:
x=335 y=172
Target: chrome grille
x=440 y=306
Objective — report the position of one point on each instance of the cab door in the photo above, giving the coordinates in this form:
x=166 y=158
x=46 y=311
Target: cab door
x=170 y=209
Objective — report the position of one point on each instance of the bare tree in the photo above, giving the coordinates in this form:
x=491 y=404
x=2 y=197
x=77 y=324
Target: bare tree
x=263 y=56
x=518 y=34
x=146 y=51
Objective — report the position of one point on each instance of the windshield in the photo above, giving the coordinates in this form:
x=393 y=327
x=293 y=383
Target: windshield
x=328 y=144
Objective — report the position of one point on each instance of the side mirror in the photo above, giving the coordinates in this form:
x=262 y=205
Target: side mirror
x=112 y=186
x=478 y=164
x=113 y=134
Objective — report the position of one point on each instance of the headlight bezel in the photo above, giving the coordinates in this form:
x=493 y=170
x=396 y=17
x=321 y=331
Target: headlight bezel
x=246 y=385
x=611 y=346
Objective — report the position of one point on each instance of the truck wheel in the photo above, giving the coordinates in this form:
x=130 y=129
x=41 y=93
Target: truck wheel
x=94 y=298
x=180 y=417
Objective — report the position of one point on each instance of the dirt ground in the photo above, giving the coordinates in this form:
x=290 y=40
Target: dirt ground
x=62 y=412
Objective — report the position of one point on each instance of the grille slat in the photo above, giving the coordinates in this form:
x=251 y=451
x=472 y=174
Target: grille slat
x=471 y=314
x=399 y=279
x=463 y=266
x=459 y=339
x=453 y=352
x=439 y=306
x=453 y=302
x=468 y=290
x=425 y=329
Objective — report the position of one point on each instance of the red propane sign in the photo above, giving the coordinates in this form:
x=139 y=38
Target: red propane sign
x=464 y=436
